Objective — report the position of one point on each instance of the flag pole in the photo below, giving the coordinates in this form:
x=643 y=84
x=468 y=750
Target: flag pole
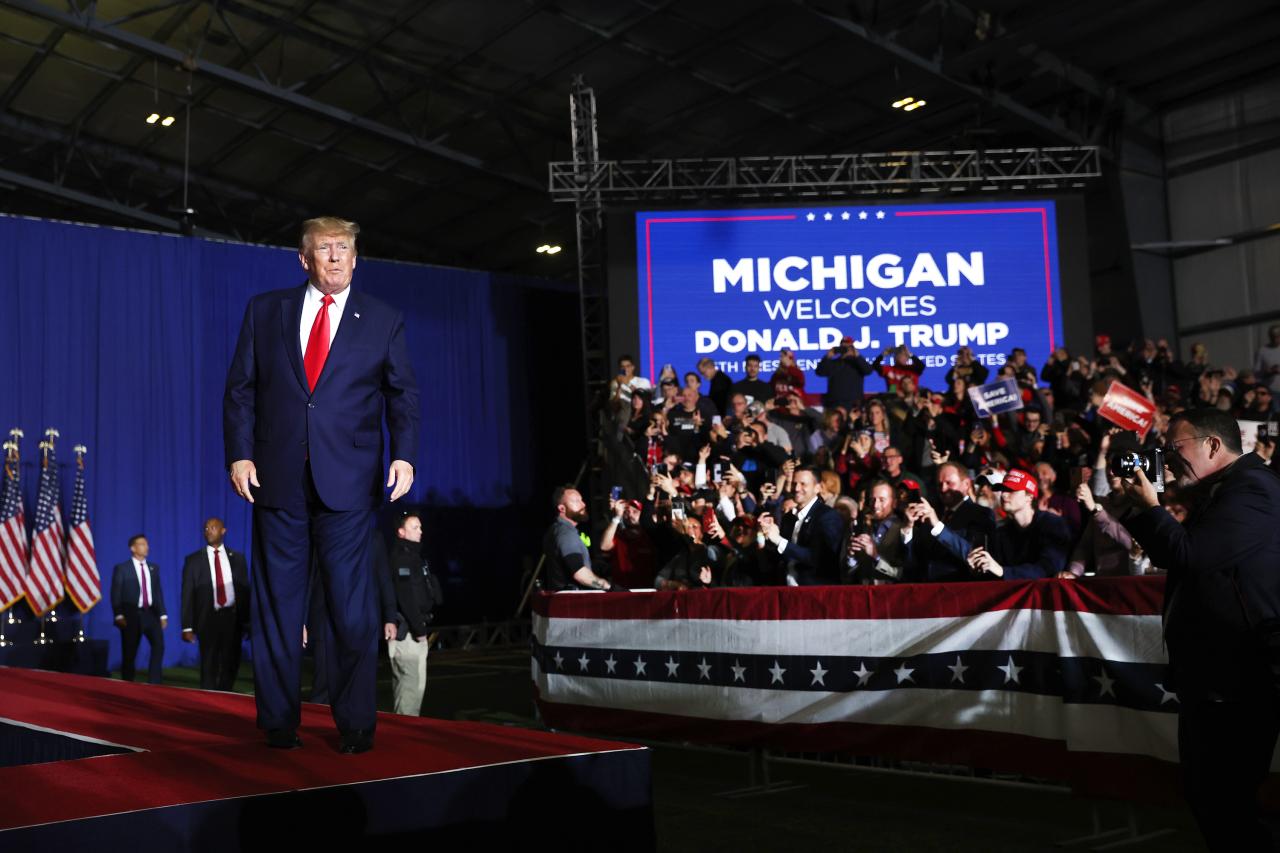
x=45 y=447
x=13 y=457
x=52 y=435
x=80 y=450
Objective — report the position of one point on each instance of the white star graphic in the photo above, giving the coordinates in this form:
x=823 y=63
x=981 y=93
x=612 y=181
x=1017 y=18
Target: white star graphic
x=640 y=665
x=862 y=214
x=810 y=217
x=845 y=216
x=672 y=666
x=827 y=216
x=903 y=673
x=704 y=670
x=818 y=674
x=777 y=673
x=610 y=663
x=1166 y=695
x=559 y=661
x=1011 y=671
x=583 y=661
x=957 y=671
x=739 y=672
x=1105 y=683
x=879 y=214
x=864 y=674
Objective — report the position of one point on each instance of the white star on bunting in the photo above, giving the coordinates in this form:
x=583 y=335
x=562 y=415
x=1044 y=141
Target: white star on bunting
x=903 y=673
x=864 y=674
x=640 y=665
x=1166 y=695
x=777 y=673
x=704 y=670
x=610 y=663
x=1105 y=684
x=818 y=674
x=672 y=666
x=583 y=661
x=957 y=671
x=739 y=672
x=559 y=661
x=1011 y=671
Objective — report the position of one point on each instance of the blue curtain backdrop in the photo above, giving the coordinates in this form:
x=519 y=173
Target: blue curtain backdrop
x=121 y=339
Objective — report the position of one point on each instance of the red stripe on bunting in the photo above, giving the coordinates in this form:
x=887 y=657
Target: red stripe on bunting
x=1124 y=596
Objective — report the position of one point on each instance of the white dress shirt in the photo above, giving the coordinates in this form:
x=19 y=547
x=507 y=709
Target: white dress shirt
x=311 y=306
x=226 y=571
x=144 y=581
x=801 y=515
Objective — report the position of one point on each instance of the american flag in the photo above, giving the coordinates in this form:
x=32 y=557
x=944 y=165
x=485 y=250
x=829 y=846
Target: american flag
x=1039 y=677
x=13 y=529
x=44 y=579
x=83 y=583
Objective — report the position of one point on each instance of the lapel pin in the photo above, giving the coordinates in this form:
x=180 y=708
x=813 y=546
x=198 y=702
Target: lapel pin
x=357 y=315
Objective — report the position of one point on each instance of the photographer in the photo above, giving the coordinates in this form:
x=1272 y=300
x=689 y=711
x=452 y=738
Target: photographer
x=846 y=370
x=1222 y=609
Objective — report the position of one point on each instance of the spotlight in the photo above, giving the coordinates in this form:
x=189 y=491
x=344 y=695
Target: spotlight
x=897 y=105
x=547 y=249
x=153 y=118
x=915 y=106
x=169 y=120
x=552 y=250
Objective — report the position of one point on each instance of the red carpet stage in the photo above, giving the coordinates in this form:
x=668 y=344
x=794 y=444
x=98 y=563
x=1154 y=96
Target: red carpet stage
x=128 y=765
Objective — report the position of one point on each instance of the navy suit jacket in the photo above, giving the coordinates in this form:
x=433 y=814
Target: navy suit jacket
x=272 y=418
x=125 y=591
x=816 y=551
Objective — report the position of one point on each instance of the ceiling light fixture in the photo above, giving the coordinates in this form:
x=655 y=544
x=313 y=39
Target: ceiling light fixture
x=167 y=121
x=914 y=106
x=153 y=118
x=548 y=249
x=897 y=105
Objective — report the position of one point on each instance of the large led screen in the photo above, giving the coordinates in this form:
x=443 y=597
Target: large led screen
x=727 y=283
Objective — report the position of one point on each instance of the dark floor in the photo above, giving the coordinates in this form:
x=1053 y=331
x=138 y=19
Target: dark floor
x=829 y=807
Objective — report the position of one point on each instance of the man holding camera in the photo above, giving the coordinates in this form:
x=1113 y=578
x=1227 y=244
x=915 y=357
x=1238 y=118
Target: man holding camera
x=846 y=370
x=1221 y=618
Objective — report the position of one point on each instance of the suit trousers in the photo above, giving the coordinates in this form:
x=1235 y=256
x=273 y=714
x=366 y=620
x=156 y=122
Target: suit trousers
x=408 y=674
x=283 y=543
x=219 y=637
x=141 y=623
x=1225 y=750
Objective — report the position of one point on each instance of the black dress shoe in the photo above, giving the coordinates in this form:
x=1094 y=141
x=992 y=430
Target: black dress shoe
x=283 y=739
x=356 y=742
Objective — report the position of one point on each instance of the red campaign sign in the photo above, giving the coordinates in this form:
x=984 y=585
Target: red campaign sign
x=1127 y=408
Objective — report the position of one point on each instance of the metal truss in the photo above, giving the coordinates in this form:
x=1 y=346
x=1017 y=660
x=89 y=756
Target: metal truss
x=826 y=174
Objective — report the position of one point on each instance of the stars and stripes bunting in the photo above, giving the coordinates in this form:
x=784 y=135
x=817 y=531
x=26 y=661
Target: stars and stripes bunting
x=84 y=585
x=13 y=529
x=1041 y=677
x=44 y=585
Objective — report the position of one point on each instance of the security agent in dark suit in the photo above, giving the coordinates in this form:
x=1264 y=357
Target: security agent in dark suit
x=933 y=556
x=1221 y=618
x=807 y=542
x=215 y=606
x=418 y=594
x=138 y=604
x=315 y=370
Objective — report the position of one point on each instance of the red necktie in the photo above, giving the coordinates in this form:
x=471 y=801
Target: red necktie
x=146 y=597
x=318 y=344
x=220 y=588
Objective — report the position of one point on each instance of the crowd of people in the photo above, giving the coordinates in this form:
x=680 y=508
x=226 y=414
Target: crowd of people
x=754 y=482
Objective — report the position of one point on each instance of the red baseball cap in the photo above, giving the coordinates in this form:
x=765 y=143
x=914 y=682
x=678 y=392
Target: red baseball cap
x=1017 y=481
x=846 y=341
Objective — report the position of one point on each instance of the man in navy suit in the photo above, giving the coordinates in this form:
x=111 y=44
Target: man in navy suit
x=138 y=604
x=808 y=540
x=314 y=371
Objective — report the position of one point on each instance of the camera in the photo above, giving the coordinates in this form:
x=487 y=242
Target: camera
x=1127 y=464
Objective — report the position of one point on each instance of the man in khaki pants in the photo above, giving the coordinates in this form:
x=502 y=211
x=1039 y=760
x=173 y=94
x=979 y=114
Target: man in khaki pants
x=417 y=595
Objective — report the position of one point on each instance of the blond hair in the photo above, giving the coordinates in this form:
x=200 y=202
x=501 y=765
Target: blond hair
x=326 y=225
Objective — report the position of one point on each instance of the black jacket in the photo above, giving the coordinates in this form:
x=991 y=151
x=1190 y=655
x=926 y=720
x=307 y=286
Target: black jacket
x=944 y=559
x=845 y=375
x=418 y=592
x=198 y=593
x=125 y=590
x=1224 y=581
